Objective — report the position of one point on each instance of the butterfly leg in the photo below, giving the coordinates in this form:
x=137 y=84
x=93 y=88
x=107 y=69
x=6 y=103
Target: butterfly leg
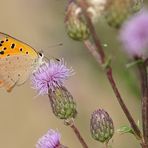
x=10 y=87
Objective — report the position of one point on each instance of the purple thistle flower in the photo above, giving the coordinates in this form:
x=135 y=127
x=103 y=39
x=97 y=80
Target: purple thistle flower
x=50 y=76
x=134 y=34
x=50 y=140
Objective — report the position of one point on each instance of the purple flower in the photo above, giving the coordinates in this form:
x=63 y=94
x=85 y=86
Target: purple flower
x=50 y=76
x=134 y=34
x=50 y=140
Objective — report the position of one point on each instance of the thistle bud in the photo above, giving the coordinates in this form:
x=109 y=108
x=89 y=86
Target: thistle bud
x=76 y=26
x=62 y=103
x=101 y=126
x=119 y=10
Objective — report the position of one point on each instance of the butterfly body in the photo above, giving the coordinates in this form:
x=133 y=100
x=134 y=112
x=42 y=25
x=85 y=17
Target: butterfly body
x=17 y=61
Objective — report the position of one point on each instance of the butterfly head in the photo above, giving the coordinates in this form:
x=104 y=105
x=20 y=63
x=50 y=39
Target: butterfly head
x=41 y=58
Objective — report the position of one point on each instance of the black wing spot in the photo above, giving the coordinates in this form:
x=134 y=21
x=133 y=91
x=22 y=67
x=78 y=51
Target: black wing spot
x=6 y=40
x=2 y=52
x=26 y=52
x=1 y=45
x=8 y=54
x=19 y=75
x=5 y=48
x=21 y=49
x=13 y=45
x=2 y=41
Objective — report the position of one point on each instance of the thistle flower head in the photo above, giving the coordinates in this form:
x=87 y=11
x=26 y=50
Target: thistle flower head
x=75 y=24
x=119 y=10
x=50 y=76
x=101 y=126
x=50 y=140
x=134 y=34
x=62 y=103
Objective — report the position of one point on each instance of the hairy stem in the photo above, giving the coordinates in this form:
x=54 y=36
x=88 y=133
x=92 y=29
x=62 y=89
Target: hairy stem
x=99 y=55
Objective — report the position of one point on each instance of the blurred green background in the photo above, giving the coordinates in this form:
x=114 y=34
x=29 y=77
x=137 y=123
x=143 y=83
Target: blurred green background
x=25 y=117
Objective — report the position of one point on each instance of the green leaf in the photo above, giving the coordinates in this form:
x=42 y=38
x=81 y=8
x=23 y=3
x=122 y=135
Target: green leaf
x=107 y=63
x=125 y=129
x=134 y=63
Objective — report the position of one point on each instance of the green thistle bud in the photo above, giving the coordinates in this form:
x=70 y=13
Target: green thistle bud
x=119 y=10
x=138 y=5
x=76 y=26
x=62 y=103
x=101 y=126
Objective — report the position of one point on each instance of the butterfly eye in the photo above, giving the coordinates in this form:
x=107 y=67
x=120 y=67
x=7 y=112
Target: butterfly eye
x=40 y=54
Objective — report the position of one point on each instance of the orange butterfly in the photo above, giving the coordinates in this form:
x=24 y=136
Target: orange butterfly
x=17 y=61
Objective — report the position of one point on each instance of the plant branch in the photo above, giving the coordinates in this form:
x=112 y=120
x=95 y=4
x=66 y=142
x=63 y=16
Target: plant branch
x=144 y=101
x=101 y=57
x=76 y=131
x=115 y=89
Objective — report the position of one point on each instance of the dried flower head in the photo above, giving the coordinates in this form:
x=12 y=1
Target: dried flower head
x=101 y=126
x=50 y=140
x=96 y=8
x=134 y=34
x=50 y=76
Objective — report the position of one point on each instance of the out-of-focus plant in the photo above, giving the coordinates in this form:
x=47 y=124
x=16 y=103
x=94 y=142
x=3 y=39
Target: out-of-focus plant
x=131 y=20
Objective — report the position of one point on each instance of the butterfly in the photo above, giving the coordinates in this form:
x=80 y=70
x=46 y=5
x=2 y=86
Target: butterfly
x=17 y=61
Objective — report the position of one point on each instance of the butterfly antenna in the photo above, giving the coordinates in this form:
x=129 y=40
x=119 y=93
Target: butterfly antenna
x=56 y=45
x=51 y=57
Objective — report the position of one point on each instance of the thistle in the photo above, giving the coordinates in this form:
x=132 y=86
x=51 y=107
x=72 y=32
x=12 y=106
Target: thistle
x=119 y=10
x=49 y=79
x=62 y=103
x=50 y=140
x=134 y=35
x=75 y=24
x=101 y=126
x=50 y=76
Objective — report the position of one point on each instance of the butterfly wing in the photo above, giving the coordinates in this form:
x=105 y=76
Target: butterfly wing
x=16 y=61
x=10 y=46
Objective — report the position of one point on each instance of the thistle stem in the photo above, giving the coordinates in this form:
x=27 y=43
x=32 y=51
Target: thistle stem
x=106 y=145
x=77 y=133
x=99 y=55
x=144 y=101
